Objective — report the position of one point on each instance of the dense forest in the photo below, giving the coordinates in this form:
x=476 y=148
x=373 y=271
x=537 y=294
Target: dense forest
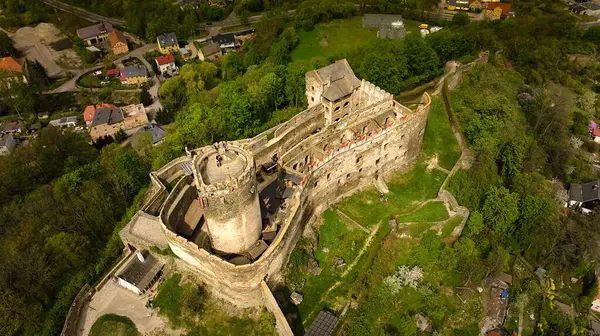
x=62 y=201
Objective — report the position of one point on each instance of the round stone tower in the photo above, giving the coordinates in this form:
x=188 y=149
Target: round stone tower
x=226 y=181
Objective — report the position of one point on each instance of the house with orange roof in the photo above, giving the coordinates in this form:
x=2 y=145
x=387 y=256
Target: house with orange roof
x=497 y=10
x=118 y=42
x=90 y=112
x=11 y=68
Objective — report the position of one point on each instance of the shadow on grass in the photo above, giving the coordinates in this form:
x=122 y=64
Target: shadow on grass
x=290 y=310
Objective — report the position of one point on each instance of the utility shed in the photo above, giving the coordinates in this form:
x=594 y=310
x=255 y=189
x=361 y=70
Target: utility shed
x=323 y=325
x=140 y=273
x=390 y=26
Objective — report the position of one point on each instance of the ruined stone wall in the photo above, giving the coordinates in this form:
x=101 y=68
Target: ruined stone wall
x=392 y=148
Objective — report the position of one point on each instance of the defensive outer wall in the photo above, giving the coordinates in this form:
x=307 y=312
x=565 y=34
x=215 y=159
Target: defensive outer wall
x=334 y=148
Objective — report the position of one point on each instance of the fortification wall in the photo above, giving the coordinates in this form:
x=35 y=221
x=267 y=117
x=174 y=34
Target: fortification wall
x=393 y=148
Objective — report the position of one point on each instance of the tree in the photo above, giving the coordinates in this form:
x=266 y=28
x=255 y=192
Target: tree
x=501 y=210
x=460 y=19
x=120 y=136
x=6 y=46
x=592 y=34
x=145 y=97
x=17 y=96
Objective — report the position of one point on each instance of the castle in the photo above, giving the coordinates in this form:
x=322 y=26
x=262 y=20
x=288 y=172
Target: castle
x=234 y=211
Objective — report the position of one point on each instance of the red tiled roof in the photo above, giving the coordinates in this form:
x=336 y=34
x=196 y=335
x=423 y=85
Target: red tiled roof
x=113 y=72
x=504 y=6
x=165 y=59
x=596 y=132
x=90 y=111
x=10 y=64
x=116 y=37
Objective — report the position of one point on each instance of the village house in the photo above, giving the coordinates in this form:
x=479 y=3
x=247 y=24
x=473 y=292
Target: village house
x=118 y=43
x=167 y=43
x=7 y=144
x=134 y=115
x=107 y=122
x=458 y=4
x=12 y=128
x=227 y=41
x=90 y=112
x=12 y=69
x=584 y=196
x=134 y=74
x=589 y=8
x=497 y=10
x=95 y=34
x=166 y=64
x=211 y=51
x=64 y=122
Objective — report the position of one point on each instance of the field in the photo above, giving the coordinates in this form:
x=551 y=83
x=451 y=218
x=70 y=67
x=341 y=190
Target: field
x=114 y=325
x=330 y=39
x=189 y=307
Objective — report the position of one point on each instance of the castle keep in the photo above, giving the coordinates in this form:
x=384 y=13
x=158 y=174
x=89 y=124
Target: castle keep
x=234 y=211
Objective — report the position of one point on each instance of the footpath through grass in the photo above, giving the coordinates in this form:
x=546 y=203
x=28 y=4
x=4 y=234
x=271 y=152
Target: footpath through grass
x=114 y=325
x=406 y=191
x=200 y=314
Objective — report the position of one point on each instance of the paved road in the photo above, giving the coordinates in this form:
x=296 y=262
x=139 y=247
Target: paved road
x=70 y=85
x=114 y=299
x=82 y=12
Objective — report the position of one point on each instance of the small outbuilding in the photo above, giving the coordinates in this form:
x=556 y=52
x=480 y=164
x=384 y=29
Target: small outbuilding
x=141 y=272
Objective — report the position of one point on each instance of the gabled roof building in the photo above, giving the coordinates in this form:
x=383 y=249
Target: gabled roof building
x=585 y=196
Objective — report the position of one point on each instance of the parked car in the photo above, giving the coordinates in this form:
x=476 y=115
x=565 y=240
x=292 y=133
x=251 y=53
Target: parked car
x=104 y=82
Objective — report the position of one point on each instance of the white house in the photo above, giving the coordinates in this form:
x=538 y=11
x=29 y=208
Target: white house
x=166 y=64
x=64 y=122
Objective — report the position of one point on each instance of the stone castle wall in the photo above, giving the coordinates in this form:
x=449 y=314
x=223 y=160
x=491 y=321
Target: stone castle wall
x=347 y=167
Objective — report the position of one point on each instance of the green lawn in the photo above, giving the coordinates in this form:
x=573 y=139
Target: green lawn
x=406 y=190
x=214 y=318
x=92 y=81
x=438 y=138
x=430 y=212
x=114 y=325
x=332 y=38
x=450 y=225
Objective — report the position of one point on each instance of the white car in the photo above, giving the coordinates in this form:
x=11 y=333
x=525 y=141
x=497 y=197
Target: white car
x=104 y=82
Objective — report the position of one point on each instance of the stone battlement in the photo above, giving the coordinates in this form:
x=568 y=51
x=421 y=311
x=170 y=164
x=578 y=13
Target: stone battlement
x=352 y=133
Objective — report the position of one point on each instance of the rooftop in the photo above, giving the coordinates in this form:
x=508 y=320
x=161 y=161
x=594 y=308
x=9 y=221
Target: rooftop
x=585 y=192
x=107 y=115
x=167 y=40
x=377 y=20
x=341 y=77
x=4 y=139
x=10 y=64
x=95 y=30
x=140 y=273
x=90 y=110
x=157 y=133
x=116 y=37
x=134 y=71
x=224 y=38
x=210 y=49
x=165 y=59
x=63 y=121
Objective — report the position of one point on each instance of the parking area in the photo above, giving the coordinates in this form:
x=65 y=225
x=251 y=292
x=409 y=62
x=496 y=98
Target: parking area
x=34 y=43
x=114 y=299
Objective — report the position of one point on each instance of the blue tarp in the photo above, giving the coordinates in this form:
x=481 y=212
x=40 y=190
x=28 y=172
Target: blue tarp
x=504 y=294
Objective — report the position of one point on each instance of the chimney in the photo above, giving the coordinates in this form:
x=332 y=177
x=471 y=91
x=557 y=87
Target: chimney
x=140 y=256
